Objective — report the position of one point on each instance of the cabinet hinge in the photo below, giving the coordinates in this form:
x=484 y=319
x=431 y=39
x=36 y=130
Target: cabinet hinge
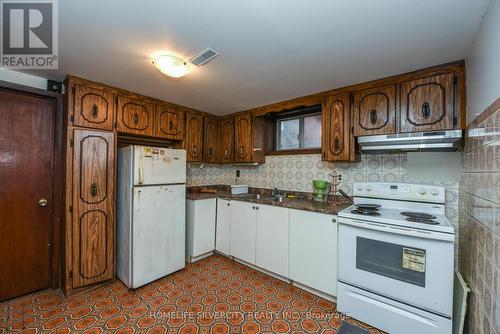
x=71 y=143
x=71 y=274
x=71 y=208
x=116 y=125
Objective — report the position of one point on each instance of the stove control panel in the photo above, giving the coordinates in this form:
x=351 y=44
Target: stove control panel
x=400 y=191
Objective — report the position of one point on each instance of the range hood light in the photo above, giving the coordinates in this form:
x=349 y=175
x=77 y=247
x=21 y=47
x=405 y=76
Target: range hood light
x=171 y=65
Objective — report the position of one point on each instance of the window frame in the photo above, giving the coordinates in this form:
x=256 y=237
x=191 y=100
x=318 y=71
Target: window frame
x=301 y=114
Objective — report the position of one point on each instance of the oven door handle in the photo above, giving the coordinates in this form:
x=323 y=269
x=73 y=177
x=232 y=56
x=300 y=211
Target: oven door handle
x=387 y=228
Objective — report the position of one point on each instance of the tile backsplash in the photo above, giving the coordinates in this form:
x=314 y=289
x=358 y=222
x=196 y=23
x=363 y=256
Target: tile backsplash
x=479 y=216
x=296 y=172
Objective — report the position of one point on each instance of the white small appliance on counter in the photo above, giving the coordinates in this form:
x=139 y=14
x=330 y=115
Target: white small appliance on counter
x=151 y=208
x=396 y=258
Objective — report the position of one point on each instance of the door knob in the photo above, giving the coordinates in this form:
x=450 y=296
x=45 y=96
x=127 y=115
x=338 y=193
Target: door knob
x=42 y=202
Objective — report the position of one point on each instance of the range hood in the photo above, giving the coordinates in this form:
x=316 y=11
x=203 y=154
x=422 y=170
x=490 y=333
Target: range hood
x=431 y=141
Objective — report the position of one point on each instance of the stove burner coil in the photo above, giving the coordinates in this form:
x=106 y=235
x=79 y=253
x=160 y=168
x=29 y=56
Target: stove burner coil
x=422 y=220
x=366 y=212
x=418 y=215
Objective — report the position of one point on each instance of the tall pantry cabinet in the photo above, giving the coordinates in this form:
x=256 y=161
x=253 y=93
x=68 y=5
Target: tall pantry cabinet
x=89 y=185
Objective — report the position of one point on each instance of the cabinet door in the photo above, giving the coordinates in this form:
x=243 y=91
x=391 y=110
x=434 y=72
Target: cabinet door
x=428 y=103
x=243 y=138
x=135 y=116
x=93 y=207
x=169 y=123
x=374 y=111
x=242 y=233
x=272 y=239
x=227 y=140
x=313 y=250
x=222 y=233
x=338 y=140
x=211 y=134
x=93 y=107
x=194 y=137
x=200 y=226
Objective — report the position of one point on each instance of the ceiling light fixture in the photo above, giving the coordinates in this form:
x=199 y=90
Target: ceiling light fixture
x=171 y=65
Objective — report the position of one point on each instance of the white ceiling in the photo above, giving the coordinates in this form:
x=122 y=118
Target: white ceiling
x=271 y=50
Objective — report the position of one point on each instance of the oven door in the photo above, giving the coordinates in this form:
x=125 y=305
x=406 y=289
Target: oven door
x=410 y=266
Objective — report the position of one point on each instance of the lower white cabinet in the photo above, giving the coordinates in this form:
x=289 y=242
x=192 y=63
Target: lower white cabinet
x=313 y=250
x=222 y=235
x=272 y=239
x=200 y=227
x=242 y=231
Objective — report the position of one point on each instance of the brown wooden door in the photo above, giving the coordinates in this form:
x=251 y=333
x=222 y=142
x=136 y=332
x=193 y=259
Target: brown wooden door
x=227 y=140
x=211 y=134
x=135 y=116
x=243 y=137
x=194 y=137
x=26 y=162
x=93 y=107
x=428 y=103
x=169 y=122
x=338 y=141
x=374 y=111
x=93 y=207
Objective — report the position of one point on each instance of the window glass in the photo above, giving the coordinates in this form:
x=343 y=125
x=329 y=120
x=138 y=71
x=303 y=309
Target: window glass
x=289 y=134
x=300 y=132
x=312 y=131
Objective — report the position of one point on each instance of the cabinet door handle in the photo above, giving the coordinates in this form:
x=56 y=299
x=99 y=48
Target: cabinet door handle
x=93 y=190
x=170 y=125
x=226 y=152
x=135 y=118
x=241 y=150
x=95 y=111
x=194 y=149
x=373 y=116
x=426 y=110
x=336 y=145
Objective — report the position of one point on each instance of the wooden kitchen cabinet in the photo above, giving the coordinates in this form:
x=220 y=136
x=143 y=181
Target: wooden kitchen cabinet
x=169 y=123
x=374 y=111
x=337 y=136
x=226 y=137
x=194 y=137
x=93 y=207
x=210 y=142
x=135 y=115
x=94 y=107
x=428 y=103
x=272 y=239
x=223 y=228
x=313 y=250
x=243 y=229
x=249 y=138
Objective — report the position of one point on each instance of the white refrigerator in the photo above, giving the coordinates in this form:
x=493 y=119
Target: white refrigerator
x=151 y=209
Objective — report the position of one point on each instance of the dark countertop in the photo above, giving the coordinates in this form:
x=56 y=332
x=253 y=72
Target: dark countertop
x=303 y=201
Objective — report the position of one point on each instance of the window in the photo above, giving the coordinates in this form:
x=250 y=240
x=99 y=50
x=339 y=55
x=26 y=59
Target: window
x=301 y=131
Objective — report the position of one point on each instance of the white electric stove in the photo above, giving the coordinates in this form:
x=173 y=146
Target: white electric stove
x=396 y=254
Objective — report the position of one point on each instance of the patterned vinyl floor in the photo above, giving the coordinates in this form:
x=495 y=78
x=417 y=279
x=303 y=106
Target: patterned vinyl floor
x=215 y=295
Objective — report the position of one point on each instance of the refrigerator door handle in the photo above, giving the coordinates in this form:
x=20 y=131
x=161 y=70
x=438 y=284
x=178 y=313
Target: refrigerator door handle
x=141 y=171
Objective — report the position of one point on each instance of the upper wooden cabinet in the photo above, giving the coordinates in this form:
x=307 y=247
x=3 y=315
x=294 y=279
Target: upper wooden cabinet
x=428 y=103
x=211 y=133
x=226 y=137
x=93 y=107
x=169 y=123
x=338 y=140
x=374 y=111
x=248 y=138
x=243 y=137
x=135 y=116
x=194 y=137
x=93 y=203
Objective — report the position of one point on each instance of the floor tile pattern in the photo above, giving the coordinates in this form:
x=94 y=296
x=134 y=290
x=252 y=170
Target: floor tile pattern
x=215 y=295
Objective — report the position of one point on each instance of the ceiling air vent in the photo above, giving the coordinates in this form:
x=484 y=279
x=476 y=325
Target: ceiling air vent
x=204 y=57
